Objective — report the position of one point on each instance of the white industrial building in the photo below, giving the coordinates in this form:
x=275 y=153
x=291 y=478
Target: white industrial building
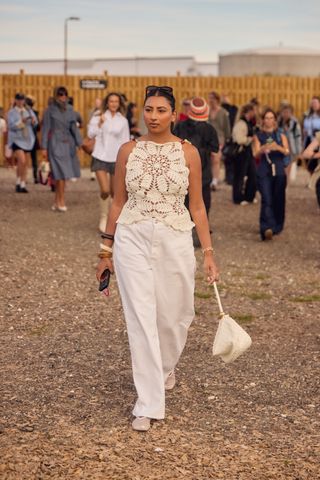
x=278 y=60
x=131 y=66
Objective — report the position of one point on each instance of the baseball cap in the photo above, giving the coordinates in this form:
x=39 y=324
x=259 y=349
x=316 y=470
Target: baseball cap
x=19 y=96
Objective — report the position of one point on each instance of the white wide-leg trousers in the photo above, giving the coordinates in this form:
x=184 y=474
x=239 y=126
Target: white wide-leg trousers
x=155 y=267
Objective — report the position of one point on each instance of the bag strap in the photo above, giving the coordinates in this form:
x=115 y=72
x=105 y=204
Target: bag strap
x=218 y=299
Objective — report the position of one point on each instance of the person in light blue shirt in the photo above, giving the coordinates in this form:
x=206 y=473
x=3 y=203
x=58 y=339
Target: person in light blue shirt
x=311 y=122
x=21 y=138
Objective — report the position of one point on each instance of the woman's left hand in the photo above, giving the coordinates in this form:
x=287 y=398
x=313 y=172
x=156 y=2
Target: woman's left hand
x=210 y=268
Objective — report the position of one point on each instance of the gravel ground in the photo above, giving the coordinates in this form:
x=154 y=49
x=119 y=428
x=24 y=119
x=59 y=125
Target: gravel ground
x=66 y=388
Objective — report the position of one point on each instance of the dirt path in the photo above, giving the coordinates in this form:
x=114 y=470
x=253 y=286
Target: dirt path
x=66 y=389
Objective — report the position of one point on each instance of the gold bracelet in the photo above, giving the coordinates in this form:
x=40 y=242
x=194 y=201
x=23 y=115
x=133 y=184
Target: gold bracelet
x=208 y=249
x=105 y=248
x=104 y=254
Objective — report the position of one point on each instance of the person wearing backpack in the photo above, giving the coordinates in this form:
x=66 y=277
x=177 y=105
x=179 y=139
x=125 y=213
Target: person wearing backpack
x=270 y=147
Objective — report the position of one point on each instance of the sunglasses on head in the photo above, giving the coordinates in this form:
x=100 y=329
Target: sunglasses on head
x=151 y=89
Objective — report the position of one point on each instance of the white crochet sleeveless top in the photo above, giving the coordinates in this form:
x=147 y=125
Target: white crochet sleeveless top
x=157 y=183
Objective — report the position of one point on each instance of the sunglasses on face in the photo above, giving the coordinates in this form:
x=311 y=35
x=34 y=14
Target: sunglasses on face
x=151 y=89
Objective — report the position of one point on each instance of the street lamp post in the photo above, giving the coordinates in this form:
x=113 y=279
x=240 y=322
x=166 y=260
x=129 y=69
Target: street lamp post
x=66 y=43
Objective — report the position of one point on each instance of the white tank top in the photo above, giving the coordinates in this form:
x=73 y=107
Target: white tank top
x=157 y=183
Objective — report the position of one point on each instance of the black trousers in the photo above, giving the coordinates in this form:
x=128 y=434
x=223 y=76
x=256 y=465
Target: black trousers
x=206 y=195
x=273 y=203
x=228 y=165
x=318 y=191
x=244 y=184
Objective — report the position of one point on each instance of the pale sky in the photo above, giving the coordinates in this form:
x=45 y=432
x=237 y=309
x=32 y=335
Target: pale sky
x=34 y=29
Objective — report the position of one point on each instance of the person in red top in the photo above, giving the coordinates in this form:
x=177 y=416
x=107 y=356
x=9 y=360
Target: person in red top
x=183 y=115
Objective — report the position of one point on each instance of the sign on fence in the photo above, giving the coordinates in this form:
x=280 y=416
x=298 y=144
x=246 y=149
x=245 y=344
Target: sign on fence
x=93 y=84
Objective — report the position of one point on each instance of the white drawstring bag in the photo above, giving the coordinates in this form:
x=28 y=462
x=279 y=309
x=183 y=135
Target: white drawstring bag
x=43 y=172
x=230 y=340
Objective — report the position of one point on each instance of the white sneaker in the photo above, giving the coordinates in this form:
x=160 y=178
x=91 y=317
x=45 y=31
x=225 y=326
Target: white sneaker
x=244 y=202
x=214 y=185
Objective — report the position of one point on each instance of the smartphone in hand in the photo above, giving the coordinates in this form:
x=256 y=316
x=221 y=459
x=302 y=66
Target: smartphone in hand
x=104 y=280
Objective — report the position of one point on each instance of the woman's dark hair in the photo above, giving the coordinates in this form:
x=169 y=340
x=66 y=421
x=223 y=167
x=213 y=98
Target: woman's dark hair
x=129 y=114
x=246 y=109
x=215 y=95
x=105 y=102
x=254 y=101
x=161 y=92
x=268 y=110
x=130 y=107
x=59 y=92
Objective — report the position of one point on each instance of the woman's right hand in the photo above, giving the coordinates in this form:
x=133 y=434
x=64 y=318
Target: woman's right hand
x=102 y=265
x=101 y=120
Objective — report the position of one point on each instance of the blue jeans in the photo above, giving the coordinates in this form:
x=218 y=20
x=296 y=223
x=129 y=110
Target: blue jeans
x=273 y=201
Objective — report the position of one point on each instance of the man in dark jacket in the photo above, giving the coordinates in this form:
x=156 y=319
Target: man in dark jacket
x=204 y=137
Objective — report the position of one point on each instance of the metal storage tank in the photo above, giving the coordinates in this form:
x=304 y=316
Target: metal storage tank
x=281 y=61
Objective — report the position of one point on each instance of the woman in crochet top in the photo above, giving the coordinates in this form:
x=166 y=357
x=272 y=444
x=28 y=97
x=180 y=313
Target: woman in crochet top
x=153 y=253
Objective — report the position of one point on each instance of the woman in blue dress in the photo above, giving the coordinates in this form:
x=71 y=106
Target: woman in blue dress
x=270 y=147
x=60 y=139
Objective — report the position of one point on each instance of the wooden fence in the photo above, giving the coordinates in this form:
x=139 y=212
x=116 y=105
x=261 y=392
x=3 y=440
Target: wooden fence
x=269 y=90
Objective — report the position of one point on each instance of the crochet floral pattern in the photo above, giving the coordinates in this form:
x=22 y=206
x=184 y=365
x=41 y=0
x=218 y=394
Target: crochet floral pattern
x=157 y=183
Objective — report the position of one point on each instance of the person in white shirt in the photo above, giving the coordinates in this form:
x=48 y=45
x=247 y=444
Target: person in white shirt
x=111 y=130
x=3 y=123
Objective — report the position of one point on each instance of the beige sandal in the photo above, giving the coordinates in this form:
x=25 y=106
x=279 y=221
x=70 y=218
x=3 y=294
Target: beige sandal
x=141 y=424
x=171 y=381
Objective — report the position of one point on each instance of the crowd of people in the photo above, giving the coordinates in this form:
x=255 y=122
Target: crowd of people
x=225 y=135
x=260 y=150
x=156 y=182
